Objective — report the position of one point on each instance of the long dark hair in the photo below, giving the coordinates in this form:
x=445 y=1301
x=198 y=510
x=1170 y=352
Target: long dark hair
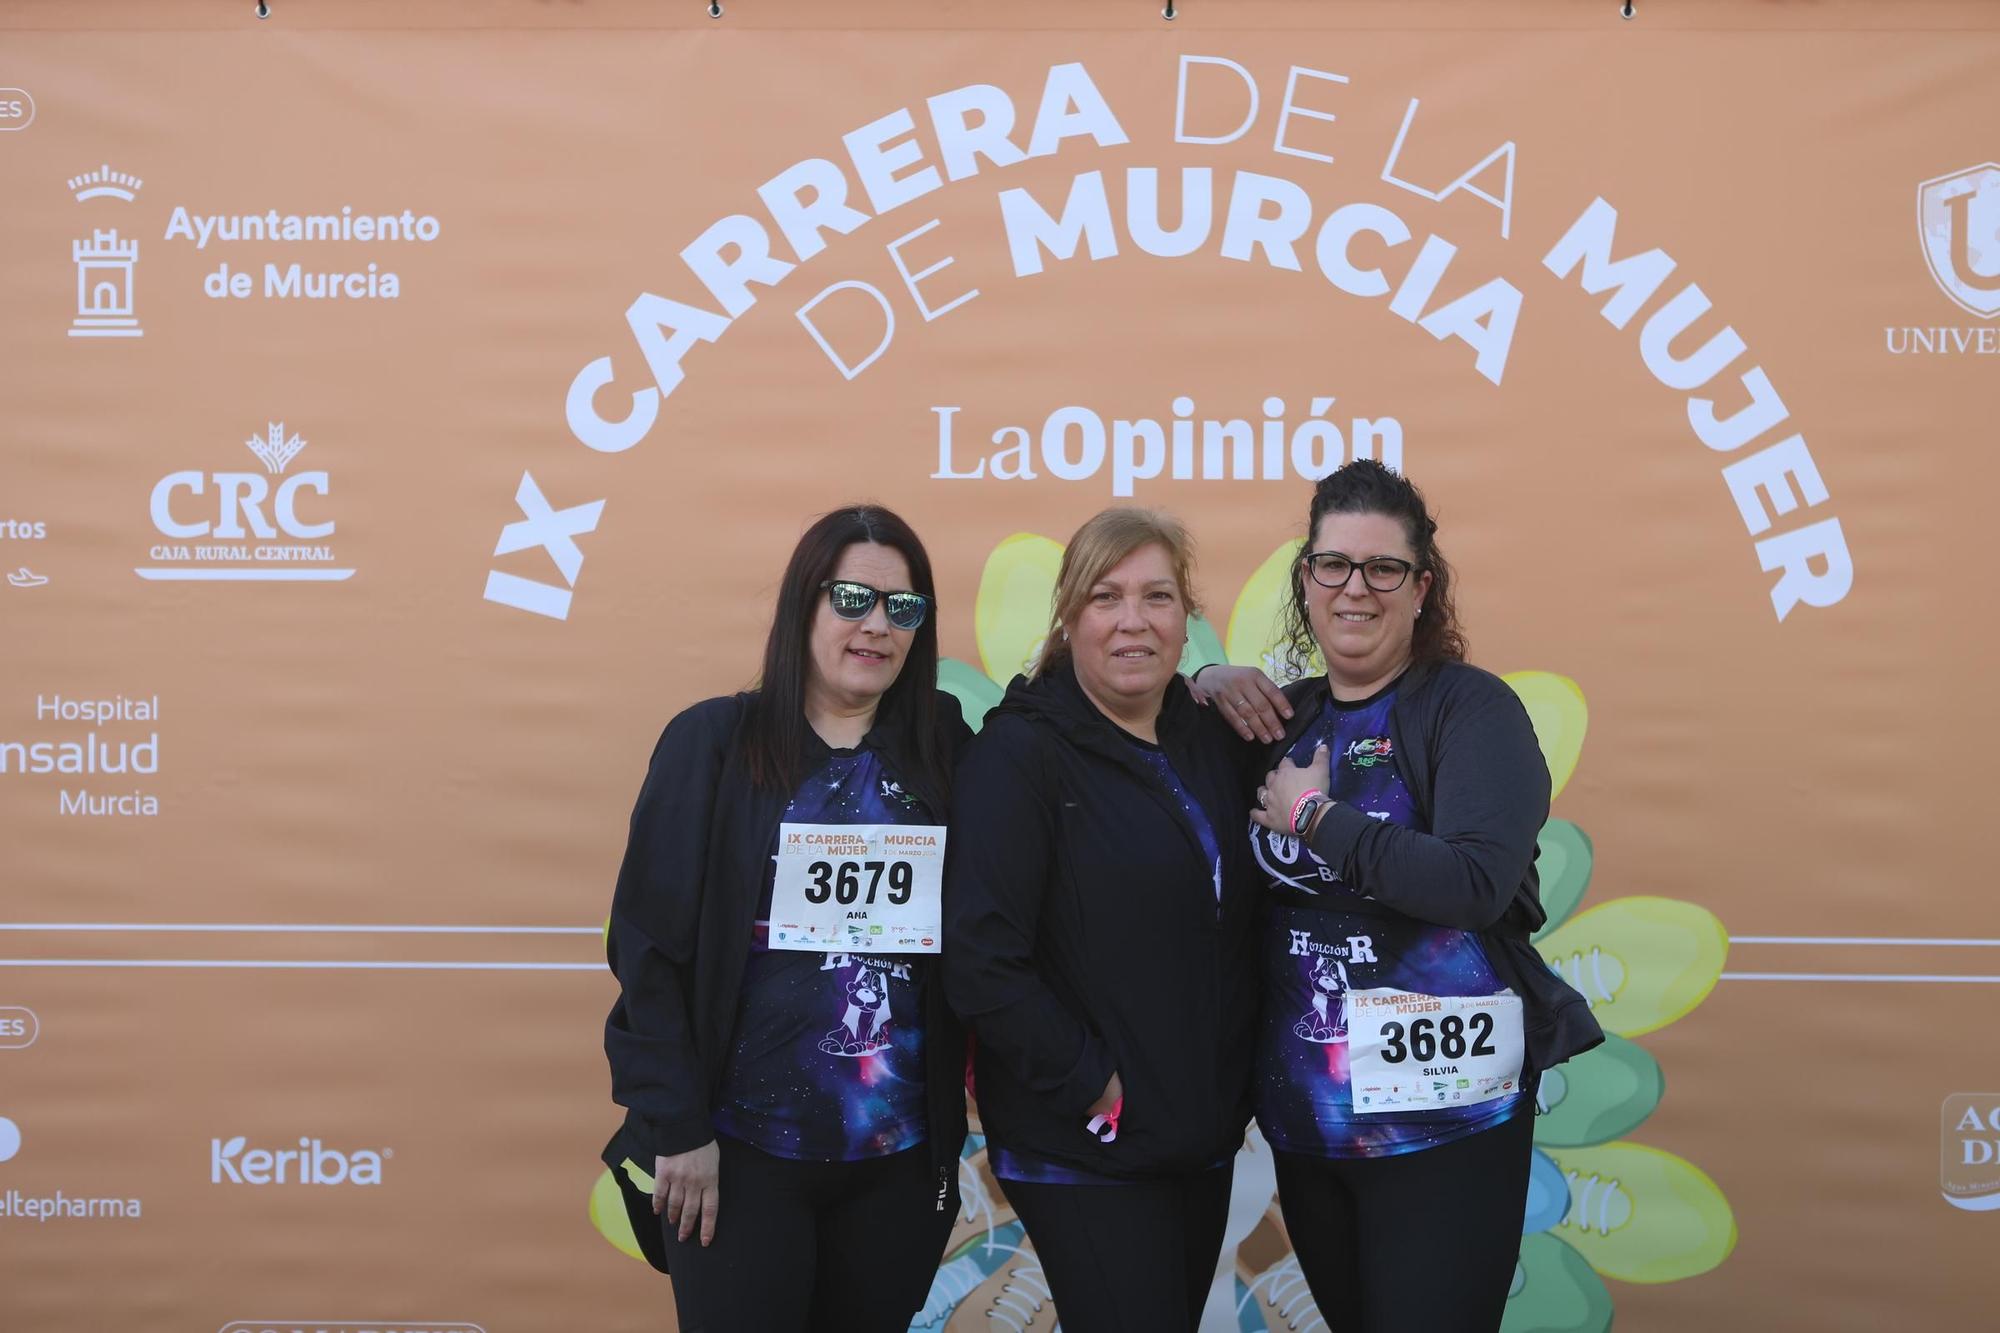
x=775 y=728
x=1365 y=486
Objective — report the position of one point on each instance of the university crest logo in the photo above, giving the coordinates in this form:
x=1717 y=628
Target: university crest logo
x=1958 y=221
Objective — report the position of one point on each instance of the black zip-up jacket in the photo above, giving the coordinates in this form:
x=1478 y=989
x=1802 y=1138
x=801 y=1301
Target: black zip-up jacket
x=1082 y=932
x=681 y=923
x=1463 y=745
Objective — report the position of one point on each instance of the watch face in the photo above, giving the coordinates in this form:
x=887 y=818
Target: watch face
x=1306 y=813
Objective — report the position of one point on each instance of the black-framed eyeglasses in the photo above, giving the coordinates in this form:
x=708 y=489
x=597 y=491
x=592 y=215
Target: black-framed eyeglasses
x=1332 y=569
x=853 y=601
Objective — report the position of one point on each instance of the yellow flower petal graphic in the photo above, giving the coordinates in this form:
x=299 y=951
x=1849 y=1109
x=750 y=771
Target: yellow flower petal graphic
x=1257 y=620
x=1642 y=1215
x=1640 y=962
x=1556 y=707
x=1555 y=1291
x=1012 y=614
x=607 y=1212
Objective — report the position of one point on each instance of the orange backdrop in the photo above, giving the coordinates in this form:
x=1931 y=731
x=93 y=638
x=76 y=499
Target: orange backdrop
x=345 y=601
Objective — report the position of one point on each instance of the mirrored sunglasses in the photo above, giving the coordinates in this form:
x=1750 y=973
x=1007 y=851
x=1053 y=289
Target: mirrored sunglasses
x=853 y=601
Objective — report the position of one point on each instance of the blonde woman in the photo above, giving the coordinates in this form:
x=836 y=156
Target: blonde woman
x=1099 y=939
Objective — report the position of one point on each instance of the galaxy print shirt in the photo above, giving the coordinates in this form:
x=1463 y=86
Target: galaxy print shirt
x=1156 y=759
x=1010 y=1165
x=828 y=1059
x=1321 y=938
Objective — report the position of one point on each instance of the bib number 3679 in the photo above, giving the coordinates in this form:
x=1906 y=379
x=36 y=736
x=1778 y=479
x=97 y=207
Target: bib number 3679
x=858 y=888
x=1410 y=1052
x=860 y=881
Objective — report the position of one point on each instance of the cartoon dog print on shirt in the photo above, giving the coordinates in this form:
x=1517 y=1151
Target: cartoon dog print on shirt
x=1326 y=1021
x=861 y=1027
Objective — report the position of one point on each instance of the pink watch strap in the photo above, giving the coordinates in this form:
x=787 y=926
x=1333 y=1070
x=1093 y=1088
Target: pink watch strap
x=1298 y=806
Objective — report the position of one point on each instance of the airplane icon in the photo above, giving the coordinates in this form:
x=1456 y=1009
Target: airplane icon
x=27 y=578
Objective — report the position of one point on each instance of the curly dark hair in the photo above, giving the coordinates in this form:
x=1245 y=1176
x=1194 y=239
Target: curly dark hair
x=1365 y=486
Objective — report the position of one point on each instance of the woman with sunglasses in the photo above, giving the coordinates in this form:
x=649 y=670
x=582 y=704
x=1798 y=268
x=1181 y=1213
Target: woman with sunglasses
x=791 y=1073
x=1405 y=1014
x=1100 y=940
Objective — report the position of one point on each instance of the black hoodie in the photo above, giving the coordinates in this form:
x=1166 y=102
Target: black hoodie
x=1083 y=935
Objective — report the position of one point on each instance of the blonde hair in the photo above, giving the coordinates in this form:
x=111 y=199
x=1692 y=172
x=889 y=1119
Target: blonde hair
x=1095 y=550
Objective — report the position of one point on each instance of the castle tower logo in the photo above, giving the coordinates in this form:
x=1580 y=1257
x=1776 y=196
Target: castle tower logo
x=104 y=303
x=1958 y=220
x=105 y=262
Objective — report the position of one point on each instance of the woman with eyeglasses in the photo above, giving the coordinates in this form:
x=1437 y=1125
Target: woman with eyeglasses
x=1099 y=940
x=1405 y=1015
x=791 y=1073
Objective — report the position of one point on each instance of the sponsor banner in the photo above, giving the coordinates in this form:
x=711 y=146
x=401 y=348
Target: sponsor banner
x=410 y=409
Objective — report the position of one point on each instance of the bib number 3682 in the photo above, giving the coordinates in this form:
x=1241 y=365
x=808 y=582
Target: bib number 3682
x=858 y=888
x=1408 y=1051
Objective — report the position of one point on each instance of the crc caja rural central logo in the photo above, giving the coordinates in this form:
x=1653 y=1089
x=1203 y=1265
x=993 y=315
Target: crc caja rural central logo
x=246 y=526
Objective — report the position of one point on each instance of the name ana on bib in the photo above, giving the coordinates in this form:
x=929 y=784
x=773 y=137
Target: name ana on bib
x=859 y=888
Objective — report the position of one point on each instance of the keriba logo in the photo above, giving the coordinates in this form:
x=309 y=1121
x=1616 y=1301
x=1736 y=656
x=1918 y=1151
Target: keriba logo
x=232 y=1161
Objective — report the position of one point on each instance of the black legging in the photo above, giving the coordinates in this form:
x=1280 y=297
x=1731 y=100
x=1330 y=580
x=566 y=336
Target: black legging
x=1421 y=1242
x=1130 y=1257
x=824 y=1247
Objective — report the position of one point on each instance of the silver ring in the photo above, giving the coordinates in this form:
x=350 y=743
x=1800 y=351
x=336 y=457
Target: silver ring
x=1263 y=798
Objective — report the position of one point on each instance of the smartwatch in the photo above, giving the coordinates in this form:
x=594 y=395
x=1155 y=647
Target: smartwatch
x=1308 y=809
